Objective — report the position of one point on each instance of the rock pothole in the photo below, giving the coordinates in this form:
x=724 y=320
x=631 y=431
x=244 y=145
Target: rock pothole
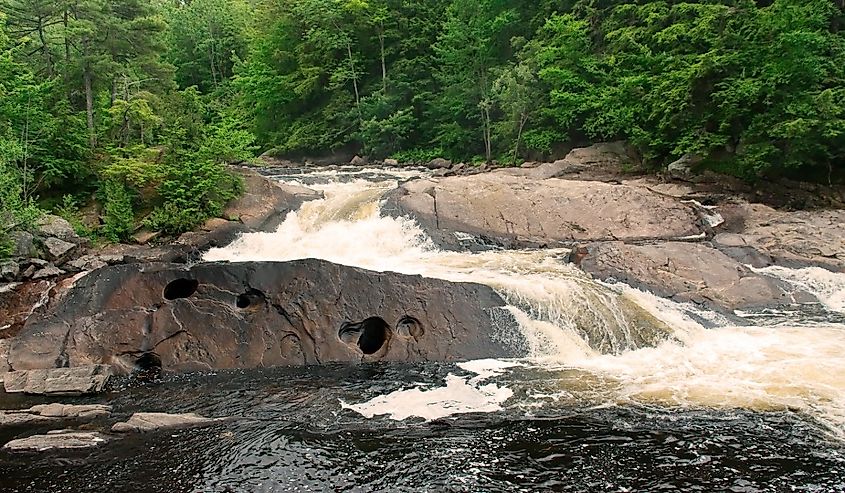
x=370 y=336
x=180 y=289
x=249 y=299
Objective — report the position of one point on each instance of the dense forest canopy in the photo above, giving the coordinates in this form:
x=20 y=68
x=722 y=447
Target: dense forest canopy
x=140 y=103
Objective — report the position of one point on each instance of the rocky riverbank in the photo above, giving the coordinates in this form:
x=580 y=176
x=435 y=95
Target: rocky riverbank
x=696 y=239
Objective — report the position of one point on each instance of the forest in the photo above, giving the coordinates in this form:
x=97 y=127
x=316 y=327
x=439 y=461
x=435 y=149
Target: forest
x=139 y=105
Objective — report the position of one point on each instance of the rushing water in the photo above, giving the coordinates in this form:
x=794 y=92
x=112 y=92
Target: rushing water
x=619 y=390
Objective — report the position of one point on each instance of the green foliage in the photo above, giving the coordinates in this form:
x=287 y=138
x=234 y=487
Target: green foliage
x=118 y=212
x=69 y=211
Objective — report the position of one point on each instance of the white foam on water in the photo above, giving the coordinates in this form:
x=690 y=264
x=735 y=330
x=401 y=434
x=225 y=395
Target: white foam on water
x=559 y=309
x=460 y=395
x=827 y=286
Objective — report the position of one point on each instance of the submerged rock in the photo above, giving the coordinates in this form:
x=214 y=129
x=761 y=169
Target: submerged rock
x=145 y=422
x=517 y=212
x=248 y=315
x=53 y=412
x=686 y=272
x=57 y=440
x=78 y=380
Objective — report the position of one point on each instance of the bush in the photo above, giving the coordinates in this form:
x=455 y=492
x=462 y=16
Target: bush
x=16 y=212
x=119 y=220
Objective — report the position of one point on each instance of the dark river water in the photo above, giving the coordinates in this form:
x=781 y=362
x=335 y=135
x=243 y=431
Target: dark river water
x=290 y=433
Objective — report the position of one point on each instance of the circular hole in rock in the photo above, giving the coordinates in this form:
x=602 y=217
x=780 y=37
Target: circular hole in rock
x=370 y=335
x=148 y=367
x=181 y=288
x=251 y=297
x=409 y=327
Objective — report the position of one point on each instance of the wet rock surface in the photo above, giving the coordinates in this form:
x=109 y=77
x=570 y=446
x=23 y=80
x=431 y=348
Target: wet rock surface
x=146 y=422
x=227 y=316
x=518 y=212
x=46 y=413
x=57 y=440
x=47 y=380
x=686 y=272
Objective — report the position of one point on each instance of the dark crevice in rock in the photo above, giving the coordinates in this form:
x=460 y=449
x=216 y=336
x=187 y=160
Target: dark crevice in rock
x=148 y=367
x=250 y=298
x=370 y=335
x=180 y=289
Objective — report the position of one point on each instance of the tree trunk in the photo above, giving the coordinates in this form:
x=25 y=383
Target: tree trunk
x=89 y=103
x=522 y=121
x=48 y=57
x=354 y=79
x=383 y=62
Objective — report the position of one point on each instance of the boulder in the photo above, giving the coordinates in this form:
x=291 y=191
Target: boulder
x=9 y=270
x=686 y=272
x=50 y=226
x=439 y=163
x=144 y=236
x=47 y=272
x=517 y=212
x=791 y=239
x=682 y=168
x=58 y=251
x=92 y=262
x=252 y=315
x=46 y=413
x=359 y=161
x=265 y=203
x=57 y=440
x=78 y=380
x=393 y=163
x=24 y=244
x=146 y=422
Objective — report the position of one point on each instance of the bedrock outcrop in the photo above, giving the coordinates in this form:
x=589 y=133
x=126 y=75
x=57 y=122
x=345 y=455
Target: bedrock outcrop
x=519 y=211
x=247 y=315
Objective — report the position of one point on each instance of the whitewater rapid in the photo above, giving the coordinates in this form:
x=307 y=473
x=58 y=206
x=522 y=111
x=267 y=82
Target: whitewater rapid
x=589 y=342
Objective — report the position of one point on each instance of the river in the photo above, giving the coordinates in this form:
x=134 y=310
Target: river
x=618 y=390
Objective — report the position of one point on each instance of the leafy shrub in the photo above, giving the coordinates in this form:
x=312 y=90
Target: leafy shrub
x=420 y=156
x=16 y=212
x=119 y=215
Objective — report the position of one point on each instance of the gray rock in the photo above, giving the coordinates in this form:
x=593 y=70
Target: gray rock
x=439 y=163
x=51 y=413
x=687 y=272
x=517 y=212
x=24 y=244
x=60 y=440
x=682 y=168
x=359 y=161
x=792 y=239
x=265 y=203
x=88 y=263
x=393 y=163
x=37 y=262
x=47 y=272
x=146 y=422
x=56 y=227
x=9 y=270
x=604 y=154
x=59 y=381
x=255 y=315
x=58 y=251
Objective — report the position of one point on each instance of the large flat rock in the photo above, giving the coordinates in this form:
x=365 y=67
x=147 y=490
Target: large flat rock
x=53 y=412
x=265 y=203
x=518 y=211
x=251 y=315
x=59 y=440
x=686 y=272
x=80 y=380
x=792 y=239
x=146 y=422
